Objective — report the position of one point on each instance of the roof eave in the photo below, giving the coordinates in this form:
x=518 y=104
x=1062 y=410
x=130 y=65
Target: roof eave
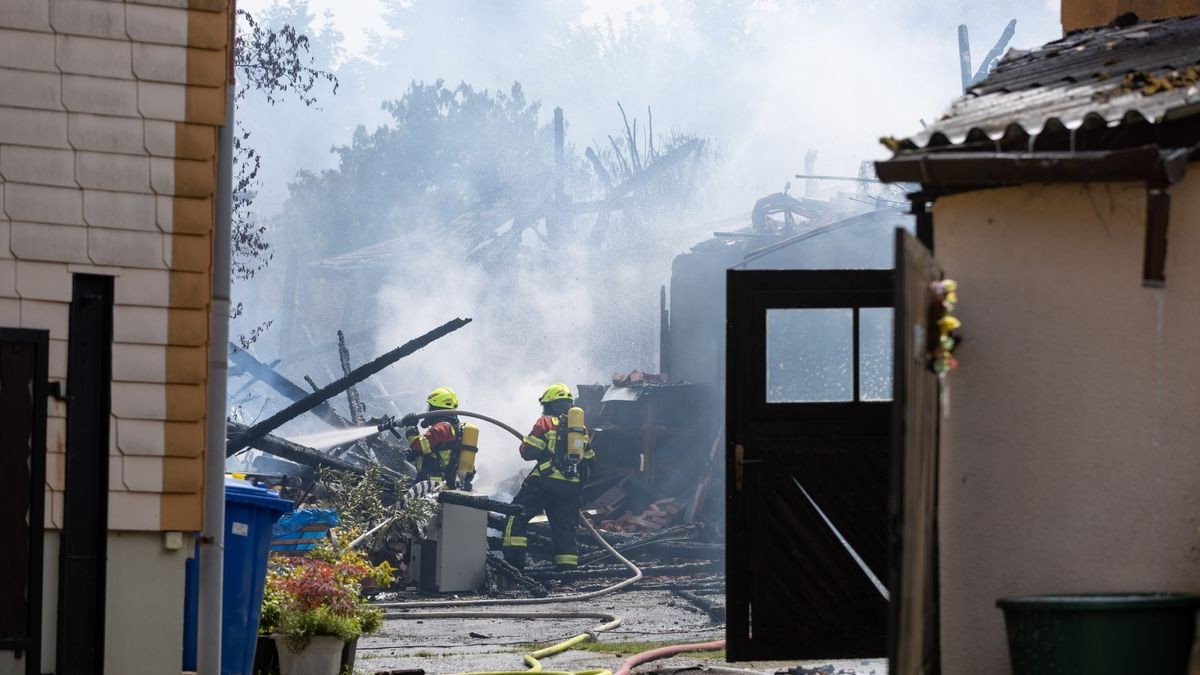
x=975 y=170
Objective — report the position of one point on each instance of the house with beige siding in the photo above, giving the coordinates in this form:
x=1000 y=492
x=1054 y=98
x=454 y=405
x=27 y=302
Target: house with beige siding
x=1062 y=193
x=109 y=117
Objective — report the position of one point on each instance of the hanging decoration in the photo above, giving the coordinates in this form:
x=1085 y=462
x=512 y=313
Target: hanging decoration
x=945 y=293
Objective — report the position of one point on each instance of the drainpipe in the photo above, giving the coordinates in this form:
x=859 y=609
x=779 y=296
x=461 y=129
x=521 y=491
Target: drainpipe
x=212 y=539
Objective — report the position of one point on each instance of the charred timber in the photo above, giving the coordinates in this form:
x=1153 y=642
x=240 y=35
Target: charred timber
x=713 y=610
x=644 y=542
x=535 y=588
x=704 y=585
x=686 y=569
x=267 y=373
x=481 y=503
x=315 y=399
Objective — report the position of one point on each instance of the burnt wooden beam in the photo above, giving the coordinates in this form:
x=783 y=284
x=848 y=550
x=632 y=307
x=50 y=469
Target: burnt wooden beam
x=713 y=610
x=316 y=399
x=481 y=503
x=283 y=385
x=356 y=405
x=601 y=172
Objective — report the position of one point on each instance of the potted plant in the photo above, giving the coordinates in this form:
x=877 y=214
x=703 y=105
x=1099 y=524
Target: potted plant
x=313 y=605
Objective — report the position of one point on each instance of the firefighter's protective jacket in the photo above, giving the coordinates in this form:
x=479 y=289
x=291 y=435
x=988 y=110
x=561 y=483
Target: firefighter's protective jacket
x=547 y=445
x=435 y=450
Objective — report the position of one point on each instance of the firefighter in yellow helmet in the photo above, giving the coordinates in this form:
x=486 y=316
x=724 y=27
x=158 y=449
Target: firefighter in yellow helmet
x=555 y=485
x=435 y=453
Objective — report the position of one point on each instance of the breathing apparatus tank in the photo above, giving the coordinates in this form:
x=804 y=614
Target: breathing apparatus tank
x=466 y=455
x=577 y=438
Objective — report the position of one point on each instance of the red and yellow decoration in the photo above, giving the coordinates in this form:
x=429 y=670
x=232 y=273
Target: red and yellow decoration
x=945 y=293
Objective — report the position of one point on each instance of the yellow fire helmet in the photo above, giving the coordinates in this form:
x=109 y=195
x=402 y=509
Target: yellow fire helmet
x=555 y=392
x=443 y=398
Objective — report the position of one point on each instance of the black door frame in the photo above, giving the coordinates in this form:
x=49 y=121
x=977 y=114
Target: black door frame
x=84 y=539
x=30 y=647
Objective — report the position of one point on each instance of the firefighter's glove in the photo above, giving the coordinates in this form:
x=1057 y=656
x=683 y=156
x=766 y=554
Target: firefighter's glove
x=409 y=420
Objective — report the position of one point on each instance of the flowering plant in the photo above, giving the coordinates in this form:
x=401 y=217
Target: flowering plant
x=945 y=293
x=321 y=594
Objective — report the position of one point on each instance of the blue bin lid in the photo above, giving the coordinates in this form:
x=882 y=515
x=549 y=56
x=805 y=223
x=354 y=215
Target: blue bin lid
x=245 y=492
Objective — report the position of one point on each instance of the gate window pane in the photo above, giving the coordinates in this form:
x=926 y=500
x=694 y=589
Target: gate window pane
x=875 y=334
x=810 y=355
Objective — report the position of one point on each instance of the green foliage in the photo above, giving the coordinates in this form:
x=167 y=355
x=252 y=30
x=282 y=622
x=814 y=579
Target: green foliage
x=272 y=608
x=299 y=628
x=359 y=500
x=321 y=594
x=370 y=618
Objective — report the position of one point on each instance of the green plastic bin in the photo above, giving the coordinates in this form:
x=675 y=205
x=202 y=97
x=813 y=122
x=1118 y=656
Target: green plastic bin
x=1101 y=633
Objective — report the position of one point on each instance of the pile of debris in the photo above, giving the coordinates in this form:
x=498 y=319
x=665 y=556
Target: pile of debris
x=658 y=515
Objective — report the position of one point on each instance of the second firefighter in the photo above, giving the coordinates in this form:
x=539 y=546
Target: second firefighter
x=559 y=444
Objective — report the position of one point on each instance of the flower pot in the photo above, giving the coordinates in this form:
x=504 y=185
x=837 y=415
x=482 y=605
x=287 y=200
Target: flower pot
x=322 y=656
x=266 y=657
x=1101 y=634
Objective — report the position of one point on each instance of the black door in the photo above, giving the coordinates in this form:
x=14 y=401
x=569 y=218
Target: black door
x=23 y=390
x=809 y=415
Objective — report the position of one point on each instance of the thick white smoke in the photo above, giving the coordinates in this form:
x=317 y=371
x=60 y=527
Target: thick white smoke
x=532 y=326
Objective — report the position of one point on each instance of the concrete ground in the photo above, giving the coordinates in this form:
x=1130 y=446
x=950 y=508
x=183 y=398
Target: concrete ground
x=490 y=644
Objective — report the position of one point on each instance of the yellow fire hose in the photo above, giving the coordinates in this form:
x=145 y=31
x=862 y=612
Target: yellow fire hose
x=531 y=659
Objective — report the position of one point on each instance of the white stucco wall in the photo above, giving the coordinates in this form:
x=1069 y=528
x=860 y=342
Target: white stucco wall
x=144 y=611
x=144 y=606
x=1071 y=455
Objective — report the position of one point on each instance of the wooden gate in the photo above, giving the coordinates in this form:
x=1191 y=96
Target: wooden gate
x=913 y=628
x=809 y=415
x=831 y=500
x=23 y=390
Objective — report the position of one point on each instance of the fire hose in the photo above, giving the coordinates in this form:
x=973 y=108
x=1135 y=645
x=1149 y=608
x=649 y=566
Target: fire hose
x=531 y=659
x=664 y=652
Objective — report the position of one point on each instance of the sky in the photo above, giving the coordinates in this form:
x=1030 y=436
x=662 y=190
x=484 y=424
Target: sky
x=833 y=75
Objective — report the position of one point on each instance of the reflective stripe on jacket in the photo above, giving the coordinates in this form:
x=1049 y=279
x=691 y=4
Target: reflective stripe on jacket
x=546 y=442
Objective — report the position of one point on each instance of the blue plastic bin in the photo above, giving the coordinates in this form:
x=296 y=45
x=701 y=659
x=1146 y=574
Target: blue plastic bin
x=250 y=515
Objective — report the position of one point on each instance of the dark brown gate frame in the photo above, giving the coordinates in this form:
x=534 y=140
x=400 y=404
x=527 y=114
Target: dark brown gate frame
x=861 y=427
x=913 y=621
x=31 y=646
